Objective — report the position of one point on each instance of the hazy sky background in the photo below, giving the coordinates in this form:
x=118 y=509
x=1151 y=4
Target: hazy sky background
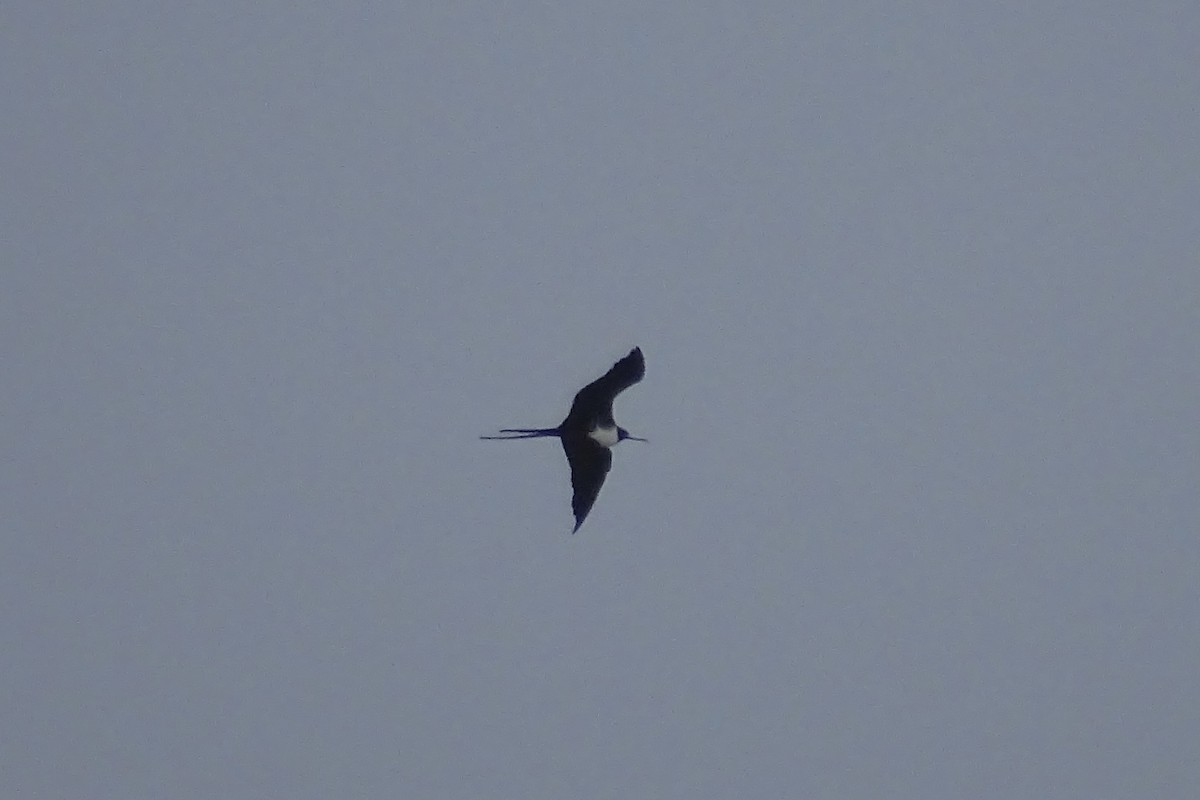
x=918 y=289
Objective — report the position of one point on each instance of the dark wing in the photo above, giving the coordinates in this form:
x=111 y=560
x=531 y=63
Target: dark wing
x=590 y=463
x=598 y=395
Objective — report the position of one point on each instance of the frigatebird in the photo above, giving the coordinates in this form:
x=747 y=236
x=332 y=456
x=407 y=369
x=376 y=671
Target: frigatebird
x=589 y=431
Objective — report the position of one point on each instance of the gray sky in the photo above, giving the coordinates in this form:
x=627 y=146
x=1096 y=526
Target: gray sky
x=918 y=291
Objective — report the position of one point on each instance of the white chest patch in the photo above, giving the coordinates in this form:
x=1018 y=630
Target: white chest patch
x=605 y=437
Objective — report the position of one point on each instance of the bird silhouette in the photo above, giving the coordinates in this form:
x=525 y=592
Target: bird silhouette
x=589 y=431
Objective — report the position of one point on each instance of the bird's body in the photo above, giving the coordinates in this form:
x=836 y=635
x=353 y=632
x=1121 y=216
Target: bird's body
x=605 y=437
x=589 y=431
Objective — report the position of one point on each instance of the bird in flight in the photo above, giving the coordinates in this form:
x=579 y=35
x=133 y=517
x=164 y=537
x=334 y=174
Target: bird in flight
x=589 y=431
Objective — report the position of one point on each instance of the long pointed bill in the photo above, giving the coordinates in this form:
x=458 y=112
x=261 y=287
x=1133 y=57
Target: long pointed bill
x=637 y=438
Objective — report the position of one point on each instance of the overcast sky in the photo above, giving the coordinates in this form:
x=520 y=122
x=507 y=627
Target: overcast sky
x=918 y=289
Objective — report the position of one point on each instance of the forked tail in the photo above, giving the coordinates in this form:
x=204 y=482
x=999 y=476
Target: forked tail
x=525 y=433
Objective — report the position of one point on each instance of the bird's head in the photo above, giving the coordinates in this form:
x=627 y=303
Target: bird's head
x=623 y=434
